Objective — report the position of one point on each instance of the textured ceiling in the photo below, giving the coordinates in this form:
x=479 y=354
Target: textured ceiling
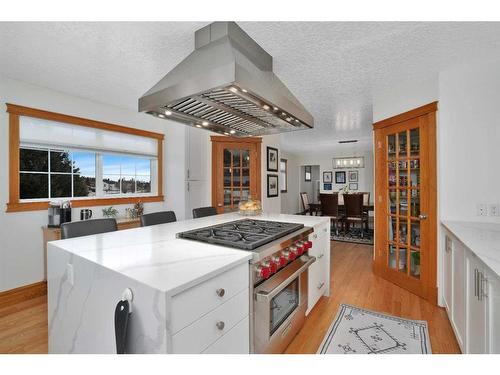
x=331 y=67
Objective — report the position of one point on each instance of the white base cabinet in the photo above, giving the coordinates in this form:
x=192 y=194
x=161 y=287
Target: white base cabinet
x=319 y=271
x=471 y=296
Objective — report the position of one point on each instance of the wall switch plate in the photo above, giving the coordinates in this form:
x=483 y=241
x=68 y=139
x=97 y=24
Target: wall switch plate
x=70 y=274
x=494 y=209
x=481 y=209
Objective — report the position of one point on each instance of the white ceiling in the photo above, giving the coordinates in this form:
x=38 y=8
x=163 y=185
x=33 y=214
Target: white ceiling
x=331 y=67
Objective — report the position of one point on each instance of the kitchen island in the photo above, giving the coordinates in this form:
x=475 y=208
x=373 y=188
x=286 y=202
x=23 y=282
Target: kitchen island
x=187 y=296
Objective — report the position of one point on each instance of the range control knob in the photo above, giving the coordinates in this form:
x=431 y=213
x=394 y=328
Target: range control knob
x=289 y=255
x=263 y=272
x=282 y=261
x=294 y=250
x=300 y=247
x=273 y=266
x=308 y=245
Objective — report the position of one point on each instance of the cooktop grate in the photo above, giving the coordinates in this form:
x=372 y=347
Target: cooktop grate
x=246 y=234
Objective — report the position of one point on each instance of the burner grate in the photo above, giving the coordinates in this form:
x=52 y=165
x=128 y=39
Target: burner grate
x=246 y=234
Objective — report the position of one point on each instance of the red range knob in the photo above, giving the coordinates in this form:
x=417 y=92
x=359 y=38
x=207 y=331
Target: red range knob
x=273 y=267
x=292 y=255
x=264 y=272
x=300 y=248
x=308 y=245
x=282 y=261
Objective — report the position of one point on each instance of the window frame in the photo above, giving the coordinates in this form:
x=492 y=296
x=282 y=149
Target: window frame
x=15 y=204
x=282 y=160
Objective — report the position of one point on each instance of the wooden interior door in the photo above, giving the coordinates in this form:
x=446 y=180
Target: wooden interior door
x=405 y=200
x=235 y=171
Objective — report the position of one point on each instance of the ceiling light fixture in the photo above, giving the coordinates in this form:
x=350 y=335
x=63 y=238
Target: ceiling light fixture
x=349 y=162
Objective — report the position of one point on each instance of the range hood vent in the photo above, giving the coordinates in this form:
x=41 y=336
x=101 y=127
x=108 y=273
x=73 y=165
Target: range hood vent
x=227 y=85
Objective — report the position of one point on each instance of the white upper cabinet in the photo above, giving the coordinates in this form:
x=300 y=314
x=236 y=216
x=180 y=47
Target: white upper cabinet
x=197 y=157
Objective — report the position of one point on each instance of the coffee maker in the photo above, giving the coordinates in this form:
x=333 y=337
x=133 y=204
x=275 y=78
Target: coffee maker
x=59 y=213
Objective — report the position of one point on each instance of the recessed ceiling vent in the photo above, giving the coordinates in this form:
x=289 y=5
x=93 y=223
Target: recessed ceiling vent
x=227 y=85
x=349 y=141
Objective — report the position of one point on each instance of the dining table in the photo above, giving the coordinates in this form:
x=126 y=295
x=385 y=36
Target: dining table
x=316 y=207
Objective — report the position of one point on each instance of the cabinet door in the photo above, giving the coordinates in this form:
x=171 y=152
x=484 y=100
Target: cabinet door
x=459 y=293
x=476 y=308
x=493 y=301
x=197 y=154
x=196 y=196
x=448 y=273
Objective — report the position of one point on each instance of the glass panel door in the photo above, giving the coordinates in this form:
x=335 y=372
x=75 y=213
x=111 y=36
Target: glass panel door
x=403 y=196
x=236 y=177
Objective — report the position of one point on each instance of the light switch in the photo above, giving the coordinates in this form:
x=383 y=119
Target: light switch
x=481 y=209
x=494 y=209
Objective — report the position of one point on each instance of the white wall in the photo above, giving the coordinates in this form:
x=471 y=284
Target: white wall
x=469 y=140
x=21 y=251
x=396 y=99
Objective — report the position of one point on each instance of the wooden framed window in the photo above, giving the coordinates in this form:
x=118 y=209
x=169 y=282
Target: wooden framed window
x=59 y=157
x=283 y=175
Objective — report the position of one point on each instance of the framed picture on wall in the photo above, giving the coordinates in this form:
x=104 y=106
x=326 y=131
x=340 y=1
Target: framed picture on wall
x=327 y=177
x=353 y=186
x=272 y=185
x=327 y=186
x=340 y=177
x=353 y=176
x=307 y=173
x=272 y=159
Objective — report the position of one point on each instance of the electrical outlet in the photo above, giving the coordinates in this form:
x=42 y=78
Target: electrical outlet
x=481 y=209
x=70 y=274
x=494 y=209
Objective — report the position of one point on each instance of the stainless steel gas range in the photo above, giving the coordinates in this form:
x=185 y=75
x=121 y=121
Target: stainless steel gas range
x=278 y=275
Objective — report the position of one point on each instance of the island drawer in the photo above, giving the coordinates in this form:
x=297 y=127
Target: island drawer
x=197 y=301
x=204 y=332
x=236 y=341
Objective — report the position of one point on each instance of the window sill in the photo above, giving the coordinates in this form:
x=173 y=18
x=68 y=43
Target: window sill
x=38 y=206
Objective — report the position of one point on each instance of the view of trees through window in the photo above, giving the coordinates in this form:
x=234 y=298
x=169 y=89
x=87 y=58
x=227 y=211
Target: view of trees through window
x=50 y=173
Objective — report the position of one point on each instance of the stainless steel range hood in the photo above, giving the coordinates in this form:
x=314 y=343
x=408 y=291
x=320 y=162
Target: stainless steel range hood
x=227 y=85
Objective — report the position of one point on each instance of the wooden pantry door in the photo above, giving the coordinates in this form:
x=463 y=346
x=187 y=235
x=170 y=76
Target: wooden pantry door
x=405 y=201
x=235 y=171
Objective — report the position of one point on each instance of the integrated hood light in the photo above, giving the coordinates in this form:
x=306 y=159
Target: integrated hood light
x=168 y=113
x=232 y=131
x=198 y=125
x=161 y=115
x=266 y=107
x=205 y=123
x=233 y=89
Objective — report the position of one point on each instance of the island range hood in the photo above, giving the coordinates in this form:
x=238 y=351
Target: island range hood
x=227 y=85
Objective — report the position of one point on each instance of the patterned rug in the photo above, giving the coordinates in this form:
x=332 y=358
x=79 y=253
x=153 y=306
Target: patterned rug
x=353 y=235
x=360 y=331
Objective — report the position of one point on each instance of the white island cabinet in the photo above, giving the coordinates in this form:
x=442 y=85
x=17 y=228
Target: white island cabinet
x=471 y=284
x=187 y=296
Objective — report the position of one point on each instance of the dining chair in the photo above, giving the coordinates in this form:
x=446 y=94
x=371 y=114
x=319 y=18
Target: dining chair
x=203 y=212
x=305 y=203
x=366 y=205
x=87 y=227
x=158 y=218
x=354 y=212
x=330 y=207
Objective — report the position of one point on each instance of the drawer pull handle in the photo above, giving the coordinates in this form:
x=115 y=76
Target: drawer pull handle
x=320 y=256
x=320 y=286
x=220 y=325
x=220 y=292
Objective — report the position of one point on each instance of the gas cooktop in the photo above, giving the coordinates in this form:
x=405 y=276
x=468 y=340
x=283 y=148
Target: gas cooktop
x=246 y=234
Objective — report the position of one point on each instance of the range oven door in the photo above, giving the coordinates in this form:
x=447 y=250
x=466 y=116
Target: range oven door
x=280 y=305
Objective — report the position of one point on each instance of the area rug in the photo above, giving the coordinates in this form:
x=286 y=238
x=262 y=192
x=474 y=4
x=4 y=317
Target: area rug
x=360 y=331
x=353 y=235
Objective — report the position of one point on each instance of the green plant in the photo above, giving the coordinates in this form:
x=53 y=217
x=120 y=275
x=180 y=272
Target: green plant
x=109 y=212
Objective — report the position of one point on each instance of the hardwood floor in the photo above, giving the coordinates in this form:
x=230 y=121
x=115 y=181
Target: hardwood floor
x=353 y=282
x=23 y=326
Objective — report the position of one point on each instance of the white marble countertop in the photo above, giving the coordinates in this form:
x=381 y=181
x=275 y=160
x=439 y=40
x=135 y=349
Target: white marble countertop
x=155 y=257
x=483 y=239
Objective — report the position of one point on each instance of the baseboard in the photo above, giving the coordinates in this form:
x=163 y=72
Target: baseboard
x=24 y=293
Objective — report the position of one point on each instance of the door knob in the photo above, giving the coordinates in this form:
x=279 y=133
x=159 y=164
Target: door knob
x=422 y=216
x=219 y=205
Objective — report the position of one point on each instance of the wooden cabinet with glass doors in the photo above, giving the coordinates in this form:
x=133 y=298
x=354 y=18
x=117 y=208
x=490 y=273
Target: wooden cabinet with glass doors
x=405 y=204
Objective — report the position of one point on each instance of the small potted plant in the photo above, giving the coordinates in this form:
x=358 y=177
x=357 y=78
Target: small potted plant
x=110 y=212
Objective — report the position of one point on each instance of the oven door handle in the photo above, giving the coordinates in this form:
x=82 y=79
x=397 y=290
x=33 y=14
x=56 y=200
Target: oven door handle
x=288 y=276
